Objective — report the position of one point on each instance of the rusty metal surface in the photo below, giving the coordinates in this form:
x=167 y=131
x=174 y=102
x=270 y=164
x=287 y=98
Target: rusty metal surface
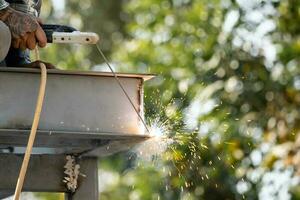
x=82 y=110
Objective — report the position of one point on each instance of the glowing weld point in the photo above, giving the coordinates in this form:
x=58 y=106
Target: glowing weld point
x=158 y=142
x=156 y=130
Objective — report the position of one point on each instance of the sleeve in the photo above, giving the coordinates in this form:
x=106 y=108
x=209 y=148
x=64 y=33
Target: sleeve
x=3 y=4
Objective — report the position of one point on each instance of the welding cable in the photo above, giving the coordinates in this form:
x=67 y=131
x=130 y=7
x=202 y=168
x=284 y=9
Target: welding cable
x=34 y=127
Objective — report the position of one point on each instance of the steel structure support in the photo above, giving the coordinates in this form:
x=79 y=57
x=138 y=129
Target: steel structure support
x=46 y=173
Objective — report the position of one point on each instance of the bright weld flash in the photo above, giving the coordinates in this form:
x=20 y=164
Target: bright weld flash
x=156 y=130
x=157 y=144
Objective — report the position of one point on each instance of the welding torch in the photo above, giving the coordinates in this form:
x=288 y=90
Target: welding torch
x=68 y=35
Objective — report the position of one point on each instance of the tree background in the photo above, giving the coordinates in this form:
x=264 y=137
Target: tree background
x=226 y=92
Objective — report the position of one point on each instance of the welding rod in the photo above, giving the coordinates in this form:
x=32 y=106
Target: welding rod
x=122 y=87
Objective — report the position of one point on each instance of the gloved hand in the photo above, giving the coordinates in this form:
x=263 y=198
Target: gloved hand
x=25 y=29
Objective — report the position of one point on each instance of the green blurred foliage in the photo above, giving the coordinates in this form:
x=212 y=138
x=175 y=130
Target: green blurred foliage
x=50 y=196
x=227 y=93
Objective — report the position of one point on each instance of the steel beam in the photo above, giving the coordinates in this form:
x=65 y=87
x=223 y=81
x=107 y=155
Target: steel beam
x=5 y=194
x=88 y=186
x=114 y=147
x=58 y=142
x=74 y=102
x=45 y=174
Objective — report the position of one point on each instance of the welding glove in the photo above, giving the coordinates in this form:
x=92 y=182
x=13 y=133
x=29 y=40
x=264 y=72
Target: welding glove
x=26 y=33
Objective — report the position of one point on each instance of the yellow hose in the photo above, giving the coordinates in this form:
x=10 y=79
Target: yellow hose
x=34 y=127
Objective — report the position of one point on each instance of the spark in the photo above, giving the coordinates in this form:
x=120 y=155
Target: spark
x=158 y=141
x=157 y=130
